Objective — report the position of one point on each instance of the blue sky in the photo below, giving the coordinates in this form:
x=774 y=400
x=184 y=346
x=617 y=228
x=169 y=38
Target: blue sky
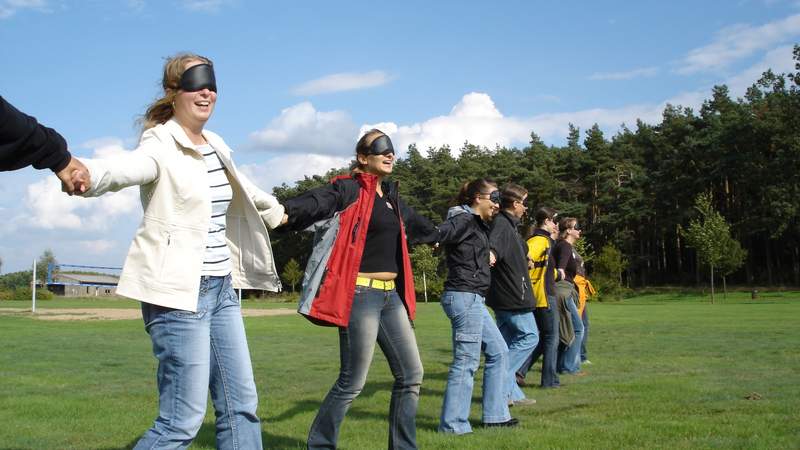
x=299 y=80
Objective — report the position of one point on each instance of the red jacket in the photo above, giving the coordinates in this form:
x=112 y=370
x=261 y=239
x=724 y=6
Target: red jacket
x=345 y=207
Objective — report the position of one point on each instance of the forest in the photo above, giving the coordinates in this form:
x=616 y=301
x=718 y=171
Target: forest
x=636 y=190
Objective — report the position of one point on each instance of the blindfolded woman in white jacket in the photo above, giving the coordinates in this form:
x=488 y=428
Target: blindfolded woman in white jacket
x=203 y=232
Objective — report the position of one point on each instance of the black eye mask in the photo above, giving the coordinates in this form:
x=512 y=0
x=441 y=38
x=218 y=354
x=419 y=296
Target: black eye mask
x=381 y=146
x=199 y=77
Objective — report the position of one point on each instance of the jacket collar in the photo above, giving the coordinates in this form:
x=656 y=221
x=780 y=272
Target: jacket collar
x=177 y=132
x=541 y=232
x=511 y=218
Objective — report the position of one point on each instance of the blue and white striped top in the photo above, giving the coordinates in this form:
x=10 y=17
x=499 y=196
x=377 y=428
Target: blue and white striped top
x=217 y=259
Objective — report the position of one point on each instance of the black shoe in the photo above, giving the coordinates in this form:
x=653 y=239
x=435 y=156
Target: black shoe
x=512 y=422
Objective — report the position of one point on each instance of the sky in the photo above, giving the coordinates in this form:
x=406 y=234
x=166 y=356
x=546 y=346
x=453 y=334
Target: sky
x=299 y=81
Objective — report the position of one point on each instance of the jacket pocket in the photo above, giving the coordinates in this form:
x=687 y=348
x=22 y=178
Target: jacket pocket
x=182 y=253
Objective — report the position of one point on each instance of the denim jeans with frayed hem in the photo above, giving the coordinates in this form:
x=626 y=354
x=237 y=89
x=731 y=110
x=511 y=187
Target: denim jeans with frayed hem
x=198 y=351
x=380 y=316
x=473 y=330
x=547 y=322
x=521 y=335
x=569 y=357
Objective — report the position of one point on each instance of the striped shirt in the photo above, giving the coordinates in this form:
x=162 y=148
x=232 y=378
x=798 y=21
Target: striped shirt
x=217 y=259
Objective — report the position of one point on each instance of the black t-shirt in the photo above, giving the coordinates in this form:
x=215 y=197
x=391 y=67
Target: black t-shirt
x=565 y=258
x=383 y=239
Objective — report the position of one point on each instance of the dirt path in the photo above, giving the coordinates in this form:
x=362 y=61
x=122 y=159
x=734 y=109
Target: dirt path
x=116 y=313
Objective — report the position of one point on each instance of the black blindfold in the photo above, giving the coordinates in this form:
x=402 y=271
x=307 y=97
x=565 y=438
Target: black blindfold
x=199 y=77
x=381 y=146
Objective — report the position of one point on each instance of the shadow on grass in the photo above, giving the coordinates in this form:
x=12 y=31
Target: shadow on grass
x=207 y=437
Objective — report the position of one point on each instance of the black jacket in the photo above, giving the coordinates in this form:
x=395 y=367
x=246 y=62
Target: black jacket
x=323 y=202
x=511 y=284
x=465 y=237
x=23 y=141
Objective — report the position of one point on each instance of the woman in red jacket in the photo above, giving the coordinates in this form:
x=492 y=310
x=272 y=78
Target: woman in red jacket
x=359 y=279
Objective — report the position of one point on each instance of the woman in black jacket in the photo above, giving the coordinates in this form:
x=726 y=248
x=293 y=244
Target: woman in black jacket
x=465 y=236
x=510 y=294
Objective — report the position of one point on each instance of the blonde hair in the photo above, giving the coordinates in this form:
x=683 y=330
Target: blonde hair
x=162 y=109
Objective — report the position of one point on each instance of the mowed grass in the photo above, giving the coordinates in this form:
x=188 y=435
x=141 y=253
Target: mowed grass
x=670 y=371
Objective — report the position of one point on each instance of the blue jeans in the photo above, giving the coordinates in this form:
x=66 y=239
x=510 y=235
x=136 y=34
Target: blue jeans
x=547 y=321
x=473 y=330
x=584 y=353
x=198 y=351
x=376 y=315
x=521 y=335
x=569 y=357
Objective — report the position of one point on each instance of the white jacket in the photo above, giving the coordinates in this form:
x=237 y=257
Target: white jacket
x=166 y=256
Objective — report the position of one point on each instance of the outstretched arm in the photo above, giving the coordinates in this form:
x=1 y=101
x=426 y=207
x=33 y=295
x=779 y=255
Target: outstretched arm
x=131 y=169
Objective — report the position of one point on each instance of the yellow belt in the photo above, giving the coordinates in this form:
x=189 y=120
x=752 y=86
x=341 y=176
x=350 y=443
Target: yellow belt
x=377 y=284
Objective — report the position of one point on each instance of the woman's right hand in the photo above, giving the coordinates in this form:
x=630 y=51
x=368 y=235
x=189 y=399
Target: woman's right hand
x=275 y=216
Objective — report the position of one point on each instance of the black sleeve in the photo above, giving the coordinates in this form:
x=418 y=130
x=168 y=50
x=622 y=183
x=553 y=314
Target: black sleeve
x=562 y=253
x=498 y=240
x=420 y=229
x=24 y=142
x=455 y=228
x=318 y=204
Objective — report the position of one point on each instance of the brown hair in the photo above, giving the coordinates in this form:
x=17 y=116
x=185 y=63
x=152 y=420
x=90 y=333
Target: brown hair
x=469 y=190
x=564 y=226
x=362 y=148
x=511 y=193
x=162 y=109
x=542 y=214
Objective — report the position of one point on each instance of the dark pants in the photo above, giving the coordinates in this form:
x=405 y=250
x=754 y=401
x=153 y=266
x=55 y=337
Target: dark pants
x=547 y=348
x=584 y=353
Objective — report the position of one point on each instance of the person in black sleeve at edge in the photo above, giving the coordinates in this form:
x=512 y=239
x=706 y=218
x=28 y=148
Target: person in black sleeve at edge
x=359 y=279
x=510 y=294
x=24 y=142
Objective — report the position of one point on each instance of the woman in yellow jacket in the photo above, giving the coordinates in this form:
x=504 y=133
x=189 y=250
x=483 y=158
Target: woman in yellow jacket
x=543 y=278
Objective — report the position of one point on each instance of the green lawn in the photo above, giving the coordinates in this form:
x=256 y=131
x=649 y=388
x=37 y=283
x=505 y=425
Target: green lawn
x=670 y=371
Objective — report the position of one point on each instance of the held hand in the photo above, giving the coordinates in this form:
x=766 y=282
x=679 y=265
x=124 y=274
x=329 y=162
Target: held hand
x=274 y=216
x=492 y=258
x=530 y=263
x=75 y=178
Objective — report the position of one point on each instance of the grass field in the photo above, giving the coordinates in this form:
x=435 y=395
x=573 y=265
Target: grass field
x=670 y=371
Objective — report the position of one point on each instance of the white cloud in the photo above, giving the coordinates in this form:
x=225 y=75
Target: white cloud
x=97 y=247
x=291 y=168
x=10 y=7
x=627 y=75
x=339 y=82
x=780 y=60
x=46 y=207
x=303 y=129
x=477 y=120
x=209 y=6
x=739 y=41
x=136 y=5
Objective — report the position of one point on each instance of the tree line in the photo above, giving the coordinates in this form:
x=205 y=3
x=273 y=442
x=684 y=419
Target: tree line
x=637 y=189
